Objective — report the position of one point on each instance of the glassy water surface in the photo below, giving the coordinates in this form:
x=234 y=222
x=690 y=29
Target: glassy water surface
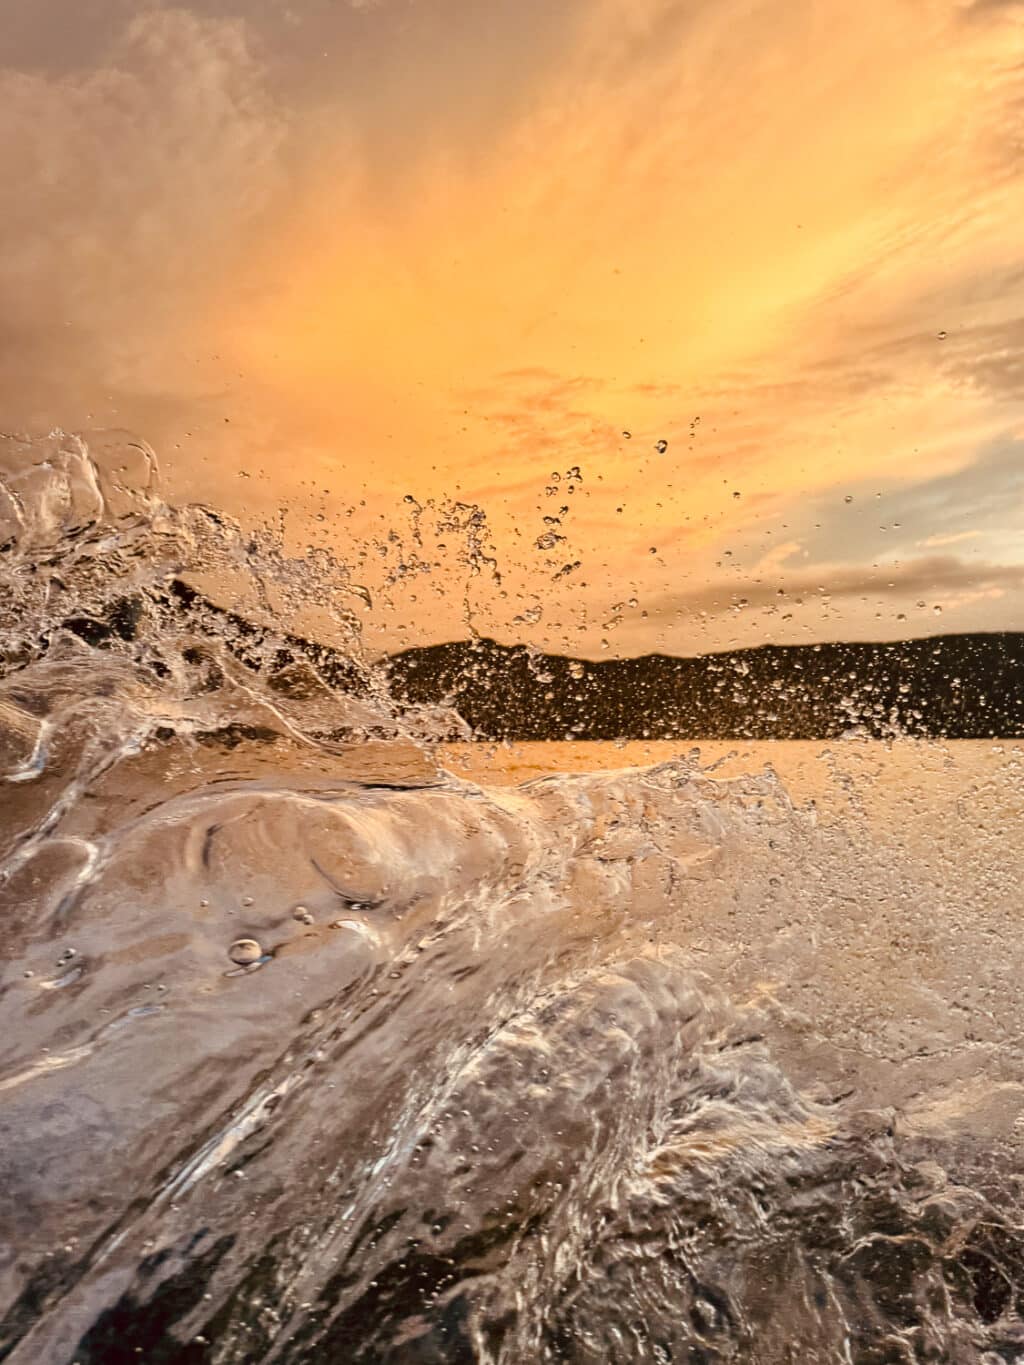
x=327 y=1041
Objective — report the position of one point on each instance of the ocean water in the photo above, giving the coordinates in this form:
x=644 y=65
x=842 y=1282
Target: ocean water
x=326 y=1039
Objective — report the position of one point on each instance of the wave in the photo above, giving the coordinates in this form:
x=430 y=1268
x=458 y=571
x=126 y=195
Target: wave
x=497 y=1074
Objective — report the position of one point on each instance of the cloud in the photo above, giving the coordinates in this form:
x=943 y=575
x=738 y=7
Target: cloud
x=461 y=246
x=130 y=185
x=933 y=577
x=982 y=498
x=956 y=538
x=991 y=357
x=982 y=7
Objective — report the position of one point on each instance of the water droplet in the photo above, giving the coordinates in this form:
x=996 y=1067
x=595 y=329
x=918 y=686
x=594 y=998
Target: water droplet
x=247 y=900
x=736 y=495
x=245 y=951
x=943 y=335
x=301 y=914
x=628 y=435
x=937 y=610
x=848 y=498
x=661 y=446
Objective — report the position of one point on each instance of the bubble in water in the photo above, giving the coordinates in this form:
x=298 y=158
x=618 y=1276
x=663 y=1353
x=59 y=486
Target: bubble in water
x=245 y=951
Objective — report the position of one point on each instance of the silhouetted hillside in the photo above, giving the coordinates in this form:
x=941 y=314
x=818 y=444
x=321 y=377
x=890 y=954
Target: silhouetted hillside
x=958 y=686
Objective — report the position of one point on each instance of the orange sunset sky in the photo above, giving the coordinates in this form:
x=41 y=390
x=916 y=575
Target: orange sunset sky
x=358 y=262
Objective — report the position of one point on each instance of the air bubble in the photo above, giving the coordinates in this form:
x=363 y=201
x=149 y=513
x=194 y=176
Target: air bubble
x=245 y=951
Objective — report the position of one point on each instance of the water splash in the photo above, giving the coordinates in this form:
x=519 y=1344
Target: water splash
x=508 y=1075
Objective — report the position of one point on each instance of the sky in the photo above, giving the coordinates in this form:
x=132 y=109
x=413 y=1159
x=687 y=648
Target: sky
x=610 y=326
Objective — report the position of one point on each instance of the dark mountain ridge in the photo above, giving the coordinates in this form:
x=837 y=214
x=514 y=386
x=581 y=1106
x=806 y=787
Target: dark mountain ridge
x=968 y=686
x=953 y=686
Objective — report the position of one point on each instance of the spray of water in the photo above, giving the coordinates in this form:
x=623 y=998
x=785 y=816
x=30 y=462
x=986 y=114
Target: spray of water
x=311 y=1050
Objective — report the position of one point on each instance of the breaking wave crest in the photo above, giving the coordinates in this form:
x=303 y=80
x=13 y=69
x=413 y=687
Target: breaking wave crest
x=314 y=1051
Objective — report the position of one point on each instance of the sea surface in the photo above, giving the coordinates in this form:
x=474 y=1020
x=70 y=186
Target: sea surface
x=326 y=1039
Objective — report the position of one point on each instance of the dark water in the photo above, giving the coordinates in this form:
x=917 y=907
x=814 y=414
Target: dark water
x=642 y=1065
